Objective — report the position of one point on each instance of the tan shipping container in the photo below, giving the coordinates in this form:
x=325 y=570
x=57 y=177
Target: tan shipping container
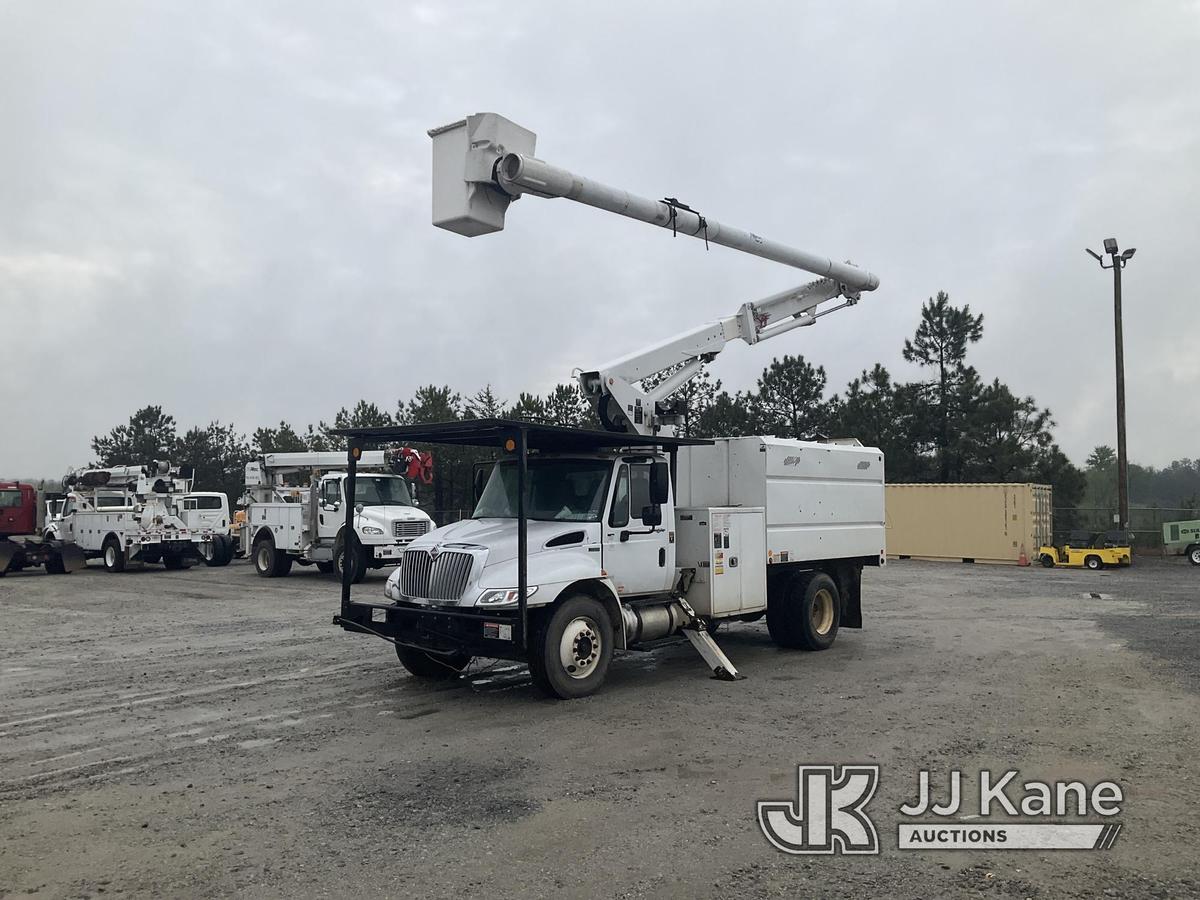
x=994 y=523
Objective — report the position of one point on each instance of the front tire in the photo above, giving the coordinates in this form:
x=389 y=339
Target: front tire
x=571 y=649
x=432 y=666
x=357 y=561
x=114 y=555
x=805 y=614
x=1094 y=563
x=1193 y=555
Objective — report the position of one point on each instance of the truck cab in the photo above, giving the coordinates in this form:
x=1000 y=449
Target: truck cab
x=591 y=519
x=385 y=510
x=205 y=510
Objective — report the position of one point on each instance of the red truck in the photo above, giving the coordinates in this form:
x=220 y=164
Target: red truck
x=22 y=543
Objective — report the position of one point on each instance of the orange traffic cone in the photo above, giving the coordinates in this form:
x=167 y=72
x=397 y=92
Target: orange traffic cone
x=1023 y=560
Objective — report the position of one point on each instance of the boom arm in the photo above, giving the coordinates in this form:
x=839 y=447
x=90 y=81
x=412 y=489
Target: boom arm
x=623 y=405
x=484 y=162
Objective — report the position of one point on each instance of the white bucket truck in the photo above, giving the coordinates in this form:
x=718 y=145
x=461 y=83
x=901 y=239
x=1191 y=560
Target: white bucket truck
x=306 y=525
x=583 y=542
x=132 y=515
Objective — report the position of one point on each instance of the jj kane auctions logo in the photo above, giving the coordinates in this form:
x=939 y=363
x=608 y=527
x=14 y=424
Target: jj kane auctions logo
x=829 y=814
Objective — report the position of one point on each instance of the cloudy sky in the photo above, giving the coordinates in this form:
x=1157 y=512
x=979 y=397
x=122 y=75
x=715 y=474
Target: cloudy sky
x=223 y=208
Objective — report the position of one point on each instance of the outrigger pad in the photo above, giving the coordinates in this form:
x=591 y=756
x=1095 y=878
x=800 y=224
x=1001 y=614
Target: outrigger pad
x=716 y=659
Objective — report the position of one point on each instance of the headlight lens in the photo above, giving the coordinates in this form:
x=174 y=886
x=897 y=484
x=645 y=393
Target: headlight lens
x=505 y=596
x=371 y=529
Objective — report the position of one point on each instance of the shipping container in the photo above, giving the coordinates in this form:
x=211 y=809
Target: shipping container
x=994 y=523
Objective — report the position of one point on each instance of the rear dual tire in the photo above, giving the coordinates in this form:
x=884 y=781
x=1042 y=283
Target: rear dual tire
x=113 y=555
x=269 y=561
x=220 y=551
x=1193 y=555
x=804 y=613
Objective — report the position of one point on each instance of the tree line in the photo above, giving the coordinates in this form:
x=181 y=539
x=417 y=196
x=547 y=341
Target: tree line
x=949 y=425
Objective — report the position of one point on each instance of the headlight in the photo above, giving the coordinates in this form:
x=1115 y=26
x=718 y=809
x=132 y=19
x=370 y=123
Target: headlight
x=371 y=529
x=505 y=596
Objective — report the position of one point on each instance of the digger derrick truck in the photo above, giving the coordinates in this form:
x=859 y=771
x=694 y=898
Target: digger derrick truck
x=25 y=540
x=308 y=525
x=131 y=515
x=587 y=542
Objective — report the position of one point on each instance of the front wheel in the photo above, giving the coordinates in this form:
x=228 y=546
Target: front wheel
x=1193 y=555
x=1094 y=563
x=571 y=649
x=433 y=666
x=357 y=560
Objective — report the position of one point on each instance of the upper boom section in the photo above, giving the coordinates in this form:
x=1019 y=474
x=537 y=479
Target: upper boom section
x=483 y=162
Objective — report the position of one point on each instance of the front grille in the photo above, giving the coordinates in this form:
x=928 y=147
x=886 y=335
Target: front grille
x=409 y=530
x=444 y=578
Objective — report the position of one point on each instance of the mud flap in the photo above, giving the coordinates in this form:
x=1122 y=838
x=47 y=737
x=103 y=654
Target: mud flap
x=72 y=557
x=7 y=551
x=716 y=659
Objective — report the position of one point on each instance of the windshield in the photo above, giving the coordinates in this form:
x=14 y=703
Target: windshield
x=557 y=490
x=381 y=490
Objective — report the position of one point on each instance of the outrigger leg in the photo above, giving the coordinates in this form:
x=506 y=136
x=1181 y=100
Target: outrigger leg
x=716 y=659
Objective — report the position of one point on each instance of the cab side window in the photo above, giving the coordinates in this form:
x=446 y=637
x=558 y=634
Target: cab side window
x=329 y=491
x=619 y=517
x=639 y=489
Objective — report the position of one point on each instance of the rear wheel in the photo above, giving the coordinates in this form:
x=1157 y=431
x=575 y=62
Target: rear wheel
x=219 y=551
x=114 y=555
x=1193 y=554
x=805 y=614
x=433 y=666
x=571 y=649
x=1047 y=561
x=1093 y=562
x=269 y=562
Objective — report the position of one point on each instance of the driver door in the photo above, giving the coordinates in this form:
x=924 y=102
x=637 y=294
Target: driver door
x=638 y=557
x=330 y=515
x=65 y=524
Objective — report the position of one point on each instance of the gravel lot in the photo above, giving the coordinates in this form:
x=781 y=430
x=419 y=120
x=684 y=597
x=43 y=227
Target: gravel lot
x=208 y=732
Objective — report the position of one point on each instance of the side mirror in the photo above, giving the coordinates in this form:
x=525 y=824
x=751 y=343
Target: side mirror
x=358 y=508
x=660 y=482
x=652 y=516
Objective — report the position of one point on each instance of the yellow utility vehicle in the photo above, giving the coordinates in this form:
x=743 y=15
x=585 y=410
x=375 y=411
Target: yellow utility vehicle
x=1083 y=550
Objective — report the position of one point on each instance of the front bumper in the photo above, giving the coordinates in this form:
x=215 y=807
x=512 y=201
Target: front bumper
x=492 y=633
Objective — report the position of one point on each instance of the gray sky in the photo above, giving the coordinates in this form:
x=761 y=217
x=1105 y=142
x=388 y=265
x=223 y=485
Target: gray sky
x=194 y=195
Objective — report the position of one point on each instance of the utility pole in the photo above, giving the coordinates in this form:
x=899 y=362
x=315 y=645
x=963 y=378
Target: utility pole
x=1118 y=262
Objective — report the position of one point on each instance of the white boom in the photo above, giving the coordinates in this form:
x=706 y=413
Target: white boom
x=623 y=404
x=483 y=162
